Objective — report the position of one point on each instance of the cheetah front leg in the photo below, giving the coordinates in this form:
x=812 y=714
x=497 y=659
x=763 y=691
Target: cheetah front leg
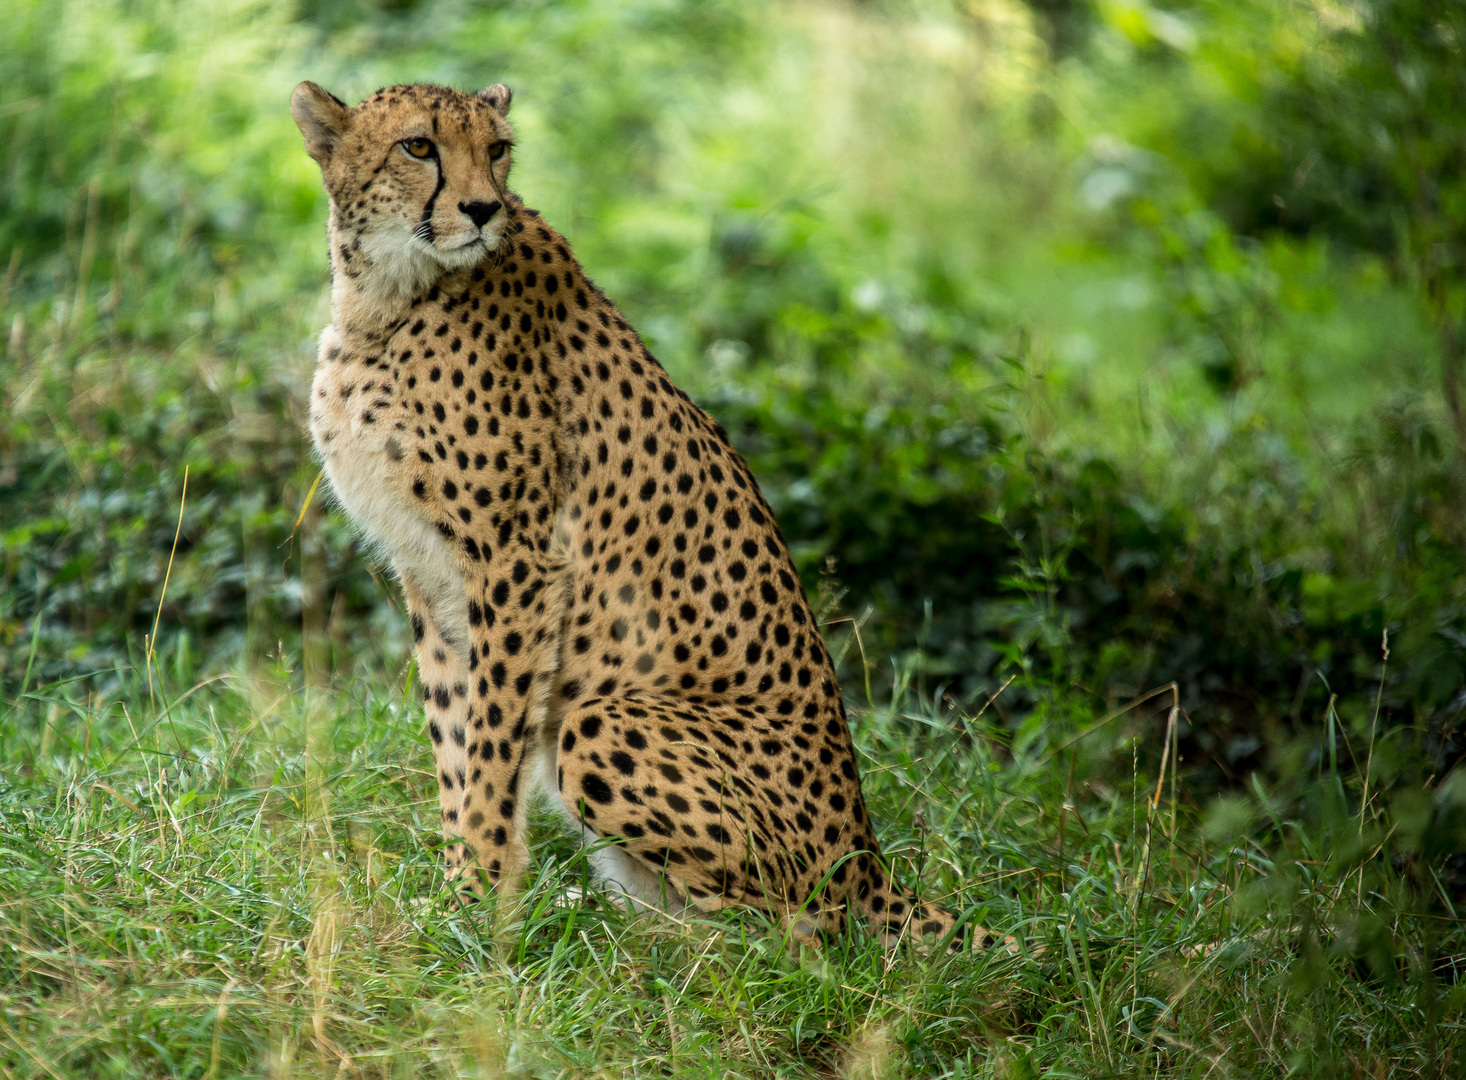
x=442 y=667
x=514 y=617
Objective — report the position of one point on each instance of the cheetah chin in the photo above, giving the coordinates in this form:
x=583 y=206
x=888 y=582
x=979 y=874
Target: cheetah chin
x=601 y=603
x=405 y=265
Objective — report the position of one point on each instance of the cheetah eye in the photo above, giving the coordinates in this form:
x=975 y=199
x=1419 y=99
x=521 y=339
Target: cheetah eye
x=496 y=149
x=418 y=148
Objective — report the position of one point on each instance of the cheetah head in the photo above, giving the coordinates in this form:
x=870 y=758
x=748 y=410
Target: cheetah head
x=416 y=176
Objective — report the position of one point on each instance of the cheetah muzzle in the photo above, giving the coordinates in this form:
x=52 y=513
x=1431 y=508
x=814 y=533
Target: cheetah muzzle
x=601 y=602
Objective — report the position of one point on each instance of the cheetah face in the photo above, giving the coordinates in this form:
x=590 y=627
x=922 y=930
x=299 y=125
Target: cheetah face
x=416 y=176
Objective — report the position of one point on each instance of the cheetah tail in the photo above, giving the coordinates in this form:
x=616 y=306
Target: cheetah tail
x=895 y=913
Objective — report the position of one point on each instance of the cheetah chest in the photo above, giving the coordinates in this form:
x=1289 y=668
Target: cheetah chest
x=353 y=425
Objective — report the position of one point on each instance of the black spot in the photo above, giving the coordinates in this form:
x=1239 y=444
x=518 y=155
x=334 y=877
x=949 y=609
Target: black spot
x=596 y=789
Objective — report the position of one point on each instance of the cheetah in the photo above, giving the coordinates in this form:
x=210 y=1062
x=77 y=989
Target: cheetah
x=601 y=602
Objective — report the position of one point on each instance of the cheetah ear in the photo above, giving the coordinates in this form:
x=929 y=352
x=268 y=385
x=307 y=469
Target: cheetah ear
x=322 y=118
x=499 y=96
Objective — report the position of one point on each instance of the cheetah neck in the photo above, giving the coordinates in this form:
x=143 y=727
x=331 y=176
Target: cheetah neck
x=366 y=311
x=373 y=282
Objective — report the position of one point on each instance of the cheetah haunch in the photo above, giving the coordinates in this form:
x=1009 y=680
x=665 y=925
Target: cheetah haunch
x=601 y=601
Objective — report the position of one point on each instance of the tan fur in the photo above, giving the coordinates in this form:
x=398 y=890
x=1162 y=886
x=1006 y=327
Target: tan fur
x=601 y=600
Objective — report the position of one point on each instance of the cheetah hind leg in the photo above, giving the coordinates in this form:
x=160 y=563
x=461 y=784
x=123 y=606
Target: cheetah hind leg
x=631 y=881
x=644 y=776
x=675 y=825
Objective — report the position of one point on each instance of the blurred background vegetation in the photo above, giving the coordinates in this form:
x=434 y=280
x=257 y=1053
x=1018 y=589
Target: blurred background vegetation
x=1081 y=346
x=1099 y=343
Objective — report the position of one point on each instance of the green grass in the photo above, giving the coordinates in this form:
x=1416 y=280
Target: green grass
x=243 y=881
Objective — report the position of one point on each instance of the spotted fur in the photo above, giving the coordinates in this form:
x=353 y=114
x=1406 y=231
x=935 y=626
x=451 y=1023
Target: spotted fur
x=601 y=600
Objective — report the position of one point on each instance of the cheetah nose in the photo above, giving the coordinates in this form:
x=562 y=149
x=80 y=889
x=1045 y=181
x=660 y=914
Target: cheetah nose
x=480 y=212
